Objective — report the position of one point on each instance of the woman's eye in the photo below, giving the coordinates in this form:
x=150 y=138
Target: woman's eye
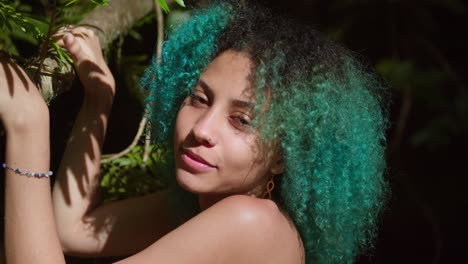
x=244 y=121
x=240 y=122
x=197 y=100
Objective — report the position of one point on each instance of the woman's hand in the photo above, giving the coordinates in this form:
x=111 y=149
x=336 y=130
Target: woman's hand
x=21 y=105
x=85 y=49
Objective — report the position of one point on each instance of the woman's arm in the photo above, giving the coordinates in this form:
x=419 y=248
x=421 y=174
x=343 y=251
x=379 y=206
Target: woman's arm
x=85 y=227
x=76 y=185
x=30 y=235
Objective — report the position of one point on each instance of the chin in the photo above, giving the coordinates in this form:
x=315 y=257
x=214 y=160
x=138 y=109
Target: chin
x=188 y=181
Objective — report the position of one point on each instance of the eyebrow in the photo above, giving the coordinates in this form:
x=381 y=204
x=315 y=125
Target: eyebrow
x=235 y=102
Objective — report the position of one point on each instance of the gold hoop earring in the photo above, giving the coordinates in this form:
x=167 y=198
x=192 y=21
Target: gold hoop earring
x=269 y=188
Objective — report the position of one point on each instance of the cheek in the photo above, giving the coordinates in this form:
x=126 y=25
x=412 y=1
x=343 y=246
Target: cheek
x=242 y=157
x=182 y=125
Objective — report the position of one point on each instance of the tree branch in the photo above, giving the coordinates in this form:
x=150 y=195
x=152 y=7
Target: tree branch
x=160 y=18
x=108 y=22
x=144 y=120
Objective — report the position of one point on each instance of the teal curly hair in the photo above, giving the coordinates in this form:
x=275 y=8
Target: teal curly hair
x=324 y=109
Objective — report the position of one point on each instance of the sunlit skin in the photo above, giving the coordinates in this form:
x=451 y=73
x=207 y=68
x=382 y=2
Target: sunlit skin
x=215 y=144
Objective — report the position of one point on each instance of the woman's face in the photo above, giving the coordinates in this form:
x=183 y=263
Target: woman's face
x=215 y=146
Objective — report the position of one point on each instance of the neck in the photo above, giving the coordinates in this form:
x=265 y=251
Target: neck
x=207 y=200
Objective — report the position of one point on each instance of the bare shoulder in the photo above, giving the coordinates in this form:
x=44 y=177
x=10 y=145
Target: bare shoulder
x=248 y=210
x=237 y=229
x=260 y=225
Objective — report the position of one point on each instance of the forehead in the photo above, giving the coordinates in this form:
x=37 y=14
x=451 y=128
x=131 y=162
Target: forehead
x=229 y=74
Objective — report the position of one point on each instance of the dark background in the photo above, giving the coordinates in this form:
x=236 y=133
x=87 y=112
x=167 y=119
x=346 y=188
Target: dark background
x=428 y=140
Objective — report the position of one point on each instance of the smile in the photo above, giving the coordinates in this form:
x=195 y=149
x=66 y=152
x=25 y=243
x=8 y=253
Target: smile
x=195 y=162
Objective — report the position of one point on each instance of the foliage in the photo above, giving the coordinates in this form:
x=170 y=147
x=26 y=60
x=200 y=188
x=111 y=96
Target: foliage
x=20 y=25
x=17 y=21
x=97 y=2
x=130 y=176
x=165 y=7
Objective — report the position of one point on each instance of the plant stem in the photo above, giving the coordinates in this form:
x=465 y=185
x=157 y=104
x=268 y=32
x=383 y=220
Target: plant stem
x=160 y=21
x=45 y=45
x=144 y=124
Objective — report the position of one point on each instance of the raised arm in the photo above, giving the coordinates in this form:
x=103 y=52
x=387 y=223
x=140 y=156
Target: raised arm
x=75 y=189
x=30 y=235
x=86 y=227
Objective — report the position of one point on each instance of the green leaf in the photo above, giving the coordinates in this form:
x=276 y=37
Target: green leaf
x=164 y=5
x=8 y=25
x=180 y=2
x=101 y=2
x=70 y=3
x=63 y=56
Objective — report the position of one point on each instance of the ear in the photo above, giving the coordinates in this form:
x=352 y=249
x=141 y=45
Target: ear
x=278 y=166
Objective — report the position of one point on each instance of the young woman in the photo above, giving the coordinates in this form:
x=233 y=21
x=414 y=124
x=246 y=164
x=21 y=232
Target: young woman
x=277 y=139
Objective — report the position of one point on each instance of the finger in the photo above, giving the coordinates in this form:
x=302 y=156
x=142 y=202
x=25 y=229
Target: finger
x=61 y=31
x=57 y=36
x=66 y=28
x=72 y=45
x=60 y=42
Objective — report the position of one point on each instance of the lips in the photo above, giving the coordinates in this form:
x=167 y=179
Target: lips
x=195 y=162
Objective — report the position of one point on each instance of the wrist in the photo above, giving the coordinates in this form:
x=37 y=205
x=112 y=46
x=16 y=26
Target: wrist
x=102 y=86
x=103 y=90
x=29 y=121
x=101 y=101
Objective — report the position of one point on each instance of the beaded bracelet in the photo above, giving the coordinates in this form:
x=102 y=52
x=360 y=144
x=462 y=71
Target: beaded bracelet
x=27 y=173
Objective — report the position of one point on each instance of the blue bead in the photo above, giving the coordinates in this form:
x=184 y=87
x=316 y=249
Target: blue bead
x=4 y=165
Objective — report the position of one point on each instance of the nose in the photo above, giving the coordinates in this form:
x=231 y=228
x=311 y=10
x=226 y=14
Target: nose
x=205 y=129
